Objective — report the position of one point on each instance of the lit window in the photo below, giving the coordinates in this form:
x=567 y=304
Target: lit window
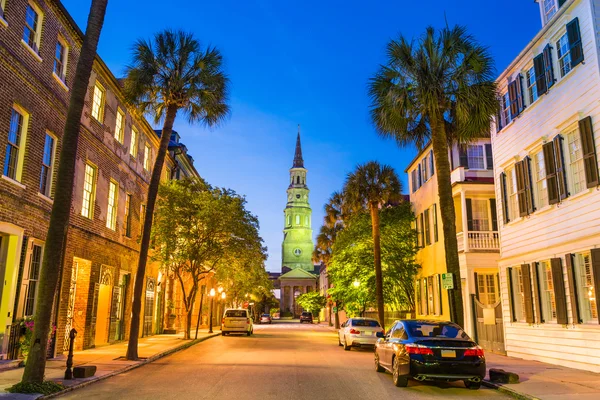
x=518 y=294
x=60 y=60
x=31 y=32
x=549 y=9
x=430 y=295
x=133 y=148
x=487 y=288
x=576 y=167
x=35 y=264
x=89 y=191
x=128 y=215
x=541 y=191
x=98 y=102
x=564 y=55
x=586 y=292
x=111 y=214
x=479 y=209
x=513 y=202
x=47 y=166
x=147 y=157
x=13 y=163
x=547 y=291
x=120 y=125
x=476 y=157
x=506 y=115
x=531 y=85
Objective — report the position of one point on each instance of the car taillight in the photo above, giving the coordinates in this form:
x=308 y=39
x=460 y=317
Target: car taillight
x=474 y=351
x=354 y=332
x=418 y=349
x=223 y=321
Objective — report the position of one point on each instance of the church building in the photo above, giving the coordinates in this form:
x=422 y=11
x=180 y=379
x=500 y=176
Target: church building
x=298 y=273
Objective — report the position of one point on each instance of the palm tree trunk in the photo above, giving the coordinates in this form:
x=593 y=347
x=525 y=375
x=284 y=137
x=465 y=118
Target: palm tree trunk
x=374 y=208
x=61 y=209
x=134 y=331
x=442 y=167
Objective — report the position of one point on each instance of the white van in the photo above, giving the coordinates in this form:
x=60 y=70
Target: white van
x=237 y=320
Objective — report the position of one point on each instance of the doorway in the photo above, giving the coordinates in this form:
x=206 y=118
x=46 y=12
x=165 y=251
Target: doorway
x=104 y=306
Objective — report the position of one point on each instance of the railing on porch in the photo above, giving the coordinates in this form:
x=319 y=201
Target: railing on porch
x=478 y=240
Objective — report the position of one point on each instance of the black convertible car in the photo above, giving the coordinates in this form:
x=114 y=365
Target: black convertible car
x=429 y=350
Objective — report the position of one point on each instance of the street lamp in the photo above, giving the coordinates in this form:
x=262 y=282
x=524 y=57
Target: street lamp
x=356 y=284
x=212 y=296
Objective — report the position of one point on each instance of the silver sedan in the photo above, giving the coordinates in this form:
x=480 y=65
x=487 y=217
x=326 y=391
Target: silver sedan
x=358 y=332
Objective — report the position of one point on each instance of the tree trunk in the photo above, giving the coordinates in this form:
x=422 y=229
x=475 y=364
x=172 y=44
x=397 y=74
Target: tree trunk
x=61 y=209
x=374 y=208
x=337 y=319
x=442 y=167
x=199 y=314
x=134 y=331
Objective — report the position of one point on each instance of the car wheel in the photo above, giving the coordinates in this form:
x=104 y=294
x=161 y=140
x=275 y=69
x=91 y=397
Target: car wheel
x=472 y=385
x=339 y=341
x=224 y=333
x=346 y=347
x=378 y=367
x=399 y=381
x=248 y=333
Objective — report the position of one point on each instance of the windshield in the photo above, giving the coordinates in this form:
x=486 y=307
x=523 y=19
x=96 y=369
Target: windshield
x=430 y=329
x=365 y=322
x=266 y=315
x=236 y=313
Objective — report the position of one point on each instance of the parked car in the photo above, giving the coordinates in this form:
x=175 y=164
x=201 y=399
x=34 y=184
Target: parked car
x=237 y=321
x=358 y=332
x=265 y=319
x=429 y=350
x=306 y=317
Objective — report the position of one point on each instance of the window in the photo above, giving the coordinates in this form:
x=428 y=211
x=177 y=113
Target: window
x=426 y=227
x=531 y=85
x=111 y=213
x=423 y=286
x=128 y=215
x=435 y=223
x=425 y=169
x=513 y=201
x=2 y=10
x=576 y=167
x=518 y=293
x=147 y=157
x=541 y=192
x=34 y=275
x=120 y=125
x=13 y=162
x=586 y=293
x=60 y=59
x=47 y=166
x=98 y=102
x=89 y=191
x=32 y=30
x=549 y=9
x=437 y=301
x=133 y=149
x=297 y=220
x=430 y=295
x=475 y=157
x=142 y=217
x=506 y=115
x=487 y=288
x=480 y=215
x=564 y=55
x=547 y=298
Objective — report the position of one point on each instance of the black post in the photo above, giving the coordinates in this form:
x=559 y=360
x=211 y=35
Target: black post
x=211 y=316
x=199 y=313
x=69 y=370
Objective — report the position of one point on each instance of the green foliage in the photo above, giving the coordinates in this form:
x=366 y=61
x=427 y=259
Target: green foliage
x=27 y=325
x=371 y=184
x=45 y=388
x=312 y=302
x=274 y=311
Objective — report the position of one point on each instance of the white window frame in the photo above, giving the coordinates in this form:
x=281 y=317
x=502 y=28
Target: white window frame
x=133 y=146
x=472 y=158
x=98 y=102
x=120 y=125
x=18 y=145
x=511 y=189
x=111 y=209
x=518 y=293
x=541 y=186
x=147 y=150
x=532 y=94
x=487 y=288
x=574 y=155
x=506 y=115
x=563 y=55
x=62 y=74
x=546 y=290
x=48 y=167
x=549 y=8
x=586 y=292
x=33 y=43
x=89 y=190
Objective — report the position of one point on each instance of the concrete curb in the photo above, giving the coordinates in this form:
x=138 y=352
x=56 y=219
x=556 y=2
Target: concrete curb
x=509 y=391
x=130 y=367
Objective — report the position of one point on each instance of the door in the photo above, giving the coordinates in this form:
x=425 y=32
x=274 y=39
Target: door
x=103 y=307
x=489 y=325
x=149 y=307
x=386 y=356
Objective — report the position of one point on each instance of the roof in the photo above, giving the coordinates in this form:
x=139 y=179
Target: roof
x=297 y=273
x=298 y=161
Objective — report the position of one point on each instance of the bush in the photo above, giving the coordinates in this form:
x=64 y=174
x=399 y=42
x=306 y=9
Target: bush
x=45 y=388
x=274 y=311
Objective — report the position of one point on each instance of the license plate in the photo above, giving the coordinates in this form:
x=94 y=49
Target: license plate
x=449 y=353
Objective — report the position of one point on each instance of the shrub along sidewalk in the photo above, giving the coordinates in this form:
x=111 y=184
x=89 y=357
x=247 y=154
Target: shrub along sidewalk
x=107 y=359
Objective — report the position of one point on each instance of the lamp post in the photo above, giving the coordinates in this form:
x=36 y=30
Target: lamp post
x=223 y=295
x=69 y=370
x=212 y=296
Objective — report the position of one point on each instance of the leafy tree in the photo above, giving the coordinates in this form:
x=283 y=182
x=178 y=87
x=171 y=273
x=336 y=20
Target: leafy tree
x=440 y=88
x=312 y=302
x=171 y=75
x=61 y=209
x=369 y=187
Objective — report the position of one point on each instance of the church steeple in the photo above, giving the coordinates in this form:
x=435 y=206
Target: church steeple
x=298 y=161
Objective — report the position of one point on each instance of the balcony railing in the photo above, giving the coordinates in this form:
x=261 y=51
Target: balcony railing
x=478 y=241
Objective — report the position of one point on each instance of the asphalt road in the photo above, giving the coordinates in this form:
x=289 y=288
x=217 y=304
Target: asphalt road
x=283 y=361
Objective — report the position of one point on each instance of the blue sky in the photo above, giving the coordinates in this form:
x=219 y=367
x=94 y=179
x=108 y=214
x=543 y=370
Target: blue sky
x=304 y=62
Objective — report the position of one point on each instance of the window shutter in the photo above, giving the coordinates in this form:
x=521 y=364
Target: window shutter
x=539 y=318
x=595 y=256
x=590 y=161
x=551 y=179
x=511 y=294
x=559 y=291
x=439 y=279
x=418 y=298
x=521 y=190
x=561 y=173
x=513 y=97
x=572 y=288
x=494 y=215
x=476 y=286
x=499 y=120
x=431 y=164
x=526 y=274
x=435 y=223
x=489 y=156
x=426 y=227
x=422 y=230
x=528 y=185
x=574 y=36
x=469 y=215
x=540 y=77
x=462 y=155
x=504 y=198
x=548 y=67
x=520 y=94
x=420 y=175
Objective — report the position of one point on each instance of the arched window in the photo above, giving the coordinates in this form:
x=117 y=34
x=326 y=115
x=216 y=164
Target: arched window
x=297 y=220
x=298 y=179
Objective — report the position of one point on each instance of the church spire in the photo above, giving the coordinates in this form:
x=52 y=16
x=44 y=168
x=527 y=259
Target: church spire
x=298 y=161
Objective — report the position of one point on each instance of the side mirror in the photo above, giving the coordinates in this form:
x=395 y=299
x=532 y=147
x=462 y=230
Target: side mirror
x=379 y=334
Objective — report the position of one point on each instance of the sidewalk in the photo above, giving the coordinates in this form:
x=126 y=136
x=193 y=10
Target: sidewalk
x=538 y=380
x=106 y=359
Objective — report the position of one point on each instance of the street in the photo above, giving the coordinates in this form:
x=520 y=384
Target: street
x=286 y=360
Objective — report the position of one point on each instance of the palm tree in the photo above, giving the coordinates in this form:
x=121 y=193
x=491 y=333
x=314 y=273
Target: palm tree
x=333 y=222
x=368 y=188
x=441 y=89
x=61 y=208
x=169 y=75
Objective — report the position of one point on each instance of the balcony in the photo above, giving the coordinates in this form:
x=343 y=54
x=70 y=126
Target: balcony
x=478 y=241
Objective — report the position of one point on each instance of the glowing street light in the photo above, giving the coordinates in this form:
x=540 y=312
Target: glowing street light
x=220 y=289
x=356 y=284
x=223 y=295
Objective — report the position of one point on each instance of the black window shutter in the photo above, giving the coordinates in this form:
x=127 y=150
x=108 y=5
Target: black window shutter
x=521 y=190
x=439 y=279
x=469 y=215
x=520 y=94
x=462 y=156
x=561 y=172
x=476 y=286
x=572 y=288
x=595 y=256
x=431 y=163
x=561 y=2
x=528 y=185
x=504 y=198
x=548 y=67
x=435 y=224
x=539 y=318
x=494 y=215
x=422 y=232
x=540 y=74
x=427 y=227
x=513 y=98
x=574 y=36
x=526 y=274
x=551 y=178
x=420 y=175
x=559 y=291
x=499 y=120
x=489 y=157
x=511 y=294
x=590 y=161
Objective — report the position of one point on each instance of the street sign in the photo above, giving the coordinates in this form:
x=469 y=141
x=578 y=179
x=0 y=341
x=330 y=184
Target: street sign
x=334 y=309
x=447 y=281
